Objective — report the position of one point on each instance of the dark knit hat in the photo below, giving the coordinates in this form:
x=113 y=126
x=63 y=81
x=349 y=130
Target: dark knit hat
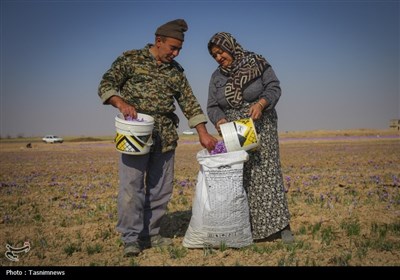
x=173 y=29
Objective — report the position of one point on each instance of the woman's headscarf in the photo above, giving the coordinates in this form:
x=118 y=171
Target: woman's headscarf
x=246 y=66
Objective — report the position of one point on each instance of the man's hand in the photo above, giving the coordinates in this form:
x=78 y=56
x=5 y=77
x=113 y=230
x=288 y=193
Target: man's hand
x=126 y=109
x=206 y=140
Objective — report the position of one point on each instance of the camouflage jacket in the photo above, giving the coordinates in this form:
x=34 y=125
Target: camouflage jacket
x=152 y=89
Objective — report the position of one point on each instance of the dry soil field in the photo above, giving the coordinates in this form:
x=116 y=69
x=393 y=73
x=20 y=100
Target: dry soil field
x=343 y=192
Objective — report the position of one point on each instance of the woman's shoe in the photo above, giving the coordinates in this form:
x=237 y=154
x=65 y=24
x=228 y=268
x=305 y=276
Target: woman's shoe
x=287 y=235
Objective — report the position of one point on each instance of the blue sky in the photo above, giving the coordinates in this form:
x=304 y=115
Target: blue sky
x=338 y=61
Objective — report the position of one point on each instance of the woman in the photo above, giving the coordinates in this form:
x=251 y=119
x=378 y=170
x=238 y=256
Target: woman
x=244 y=85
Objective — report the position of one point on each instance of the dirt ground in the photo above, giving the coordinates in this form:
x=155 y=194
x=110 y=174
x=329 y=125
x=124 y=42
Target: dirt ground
x=343 y=194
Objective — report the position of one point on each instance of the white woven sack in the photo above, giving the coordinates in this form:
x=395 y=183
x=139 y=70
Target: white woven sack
x=220 y=212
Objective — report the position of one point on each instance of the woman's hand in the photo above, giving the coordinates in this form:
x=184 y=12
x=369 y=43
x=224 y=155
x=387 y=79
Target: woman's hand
x=217 y=125
x=256 y=109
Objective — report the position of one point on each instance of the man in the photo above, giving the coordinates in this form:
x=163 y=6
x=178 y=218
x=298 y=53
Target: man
x=148 y=81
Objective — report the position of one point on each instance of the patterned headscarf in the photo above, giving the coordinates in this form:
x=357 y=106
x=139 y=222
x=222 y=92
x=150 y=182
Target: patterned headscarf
x=246 y=66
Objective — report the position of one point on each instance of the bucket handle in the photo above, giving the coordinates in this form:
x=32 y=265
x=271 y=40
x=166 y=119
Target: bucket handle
x=140 y=140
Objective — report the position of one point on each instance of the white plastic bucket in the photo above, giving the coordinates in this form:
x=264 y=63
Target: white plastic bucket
x=134 y=137
x=240 y=135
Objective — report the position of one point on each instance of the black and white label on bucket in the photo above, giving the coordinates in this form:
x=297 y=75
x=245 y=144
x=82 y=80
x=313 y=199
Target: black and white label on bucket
x=241 y=129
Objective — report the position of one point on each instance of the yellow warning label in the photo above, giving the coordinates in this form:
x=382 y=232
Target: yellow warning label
x=245 y=128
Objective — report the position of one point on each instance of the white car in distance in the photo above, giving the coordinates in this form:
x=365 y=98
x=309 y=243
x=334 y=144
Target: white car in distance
x=52 y=139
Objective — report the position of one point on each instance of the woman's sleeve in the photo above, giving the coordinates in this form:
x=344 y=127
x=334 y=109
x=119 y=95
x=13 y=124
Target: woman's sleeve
x=214 y=111
x=272 y=90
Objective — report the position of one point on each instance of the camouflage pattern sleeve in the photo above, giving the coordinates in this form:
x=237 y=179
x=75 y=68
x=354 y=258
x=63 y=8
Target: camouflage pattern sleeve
x=189 y=104
x=113 y=80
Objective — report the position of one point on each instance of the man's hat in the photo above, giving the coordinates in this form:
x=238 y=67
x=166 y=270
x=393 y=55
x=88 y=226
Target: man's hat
x=174 y=29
